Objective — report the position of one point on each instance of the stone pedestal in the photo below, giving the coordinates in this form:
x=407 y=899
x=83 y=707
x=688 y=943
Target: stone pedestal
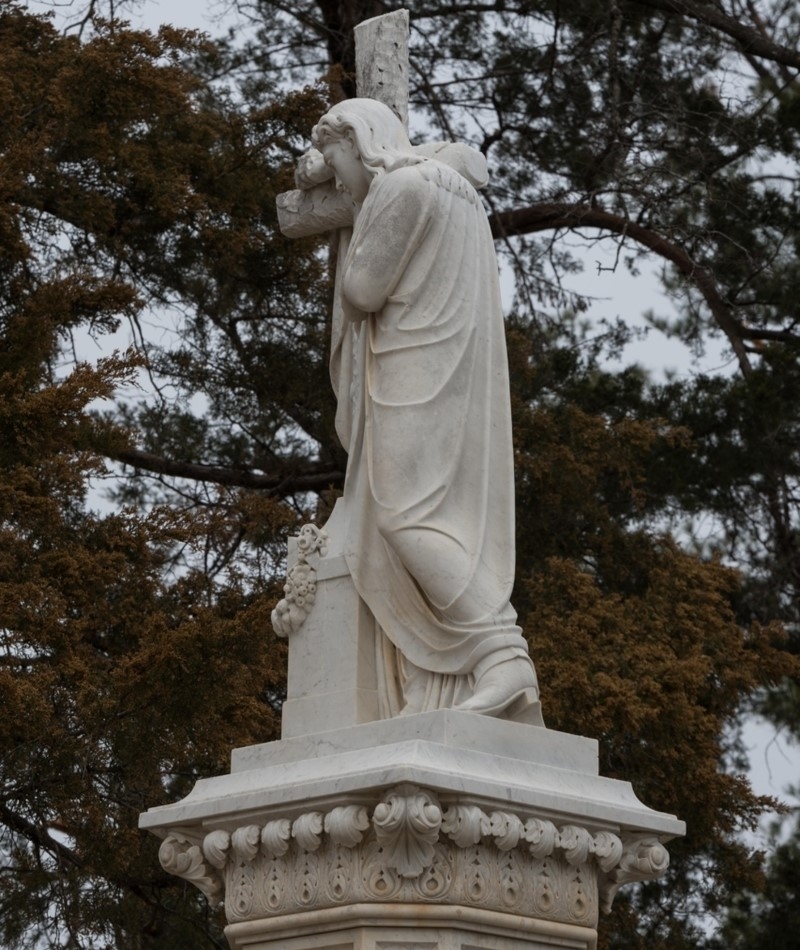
x=441 y=831
x=331 y=683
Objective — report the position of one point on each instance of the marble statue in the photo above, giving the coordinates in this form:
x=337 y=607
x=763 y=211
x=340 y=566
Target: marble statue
x=420 y=371
x=364 y=828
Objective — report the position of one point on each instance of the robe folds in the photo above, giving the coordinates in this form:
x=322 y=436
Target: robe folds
x=420 y=372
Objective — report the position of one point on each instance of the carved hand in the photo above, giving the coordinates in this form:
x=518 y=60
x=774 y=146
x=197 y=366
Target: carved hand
x=311 y=170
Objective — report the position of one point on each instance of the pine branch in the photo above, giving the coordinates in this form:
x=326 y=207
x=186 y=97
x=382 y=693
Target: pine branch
x=776 y=336
x=39 y=836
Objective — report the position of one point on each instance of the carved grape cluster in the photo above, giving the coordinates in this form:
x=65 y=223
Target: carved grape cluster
x=301 y=583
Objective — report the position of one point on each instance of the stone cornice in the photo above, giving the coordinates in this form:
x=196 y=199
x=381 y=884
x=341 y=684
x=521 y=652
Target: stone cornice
x=409 y=846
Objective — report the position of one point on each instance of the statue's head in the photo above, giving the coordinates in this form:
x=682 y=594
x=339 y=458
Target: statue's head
x=378 y=135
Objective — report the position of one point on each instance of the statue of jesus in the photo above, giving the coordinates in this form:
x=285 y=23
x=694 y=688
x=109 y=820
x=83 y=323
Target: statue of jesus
x=419 y=365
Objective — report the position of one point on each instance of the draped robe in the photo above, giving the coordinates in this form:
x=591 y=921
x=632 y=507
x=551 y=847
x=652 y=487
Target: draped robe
x=420 y=371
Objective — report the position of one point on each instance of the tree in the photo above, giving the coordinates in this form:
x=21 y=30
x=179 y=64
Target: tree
x=139 y=174
x=767 y=916
x=98 y=629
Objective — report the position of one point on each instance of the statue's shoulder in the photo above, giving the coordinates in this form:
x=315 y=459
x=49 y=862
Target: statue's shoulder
x=439 y=175
x=405 y=178
x=406 y=186
x=421 y=178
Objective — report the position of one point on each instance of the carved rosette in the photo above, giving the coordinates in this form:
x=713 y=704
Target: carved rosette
x=409 y=847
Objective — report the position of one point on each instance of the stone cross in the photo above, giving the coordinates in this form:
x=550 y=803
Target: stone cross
x=332 y=669
x=382 y=74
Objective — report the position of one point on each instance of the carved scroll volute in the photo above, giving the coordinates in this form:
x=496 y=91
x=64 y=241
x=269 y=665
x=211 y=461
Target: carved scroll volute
x=245 y=842
x=183 y=856
x=505 y=828
x=407 y=824
x=464 y=824
x=576 y=843
x=542 y=836
x=307 y=830
x=275 y=837
x=608 y=850
x=216 y=846
x=643 y=859
x=346 y=825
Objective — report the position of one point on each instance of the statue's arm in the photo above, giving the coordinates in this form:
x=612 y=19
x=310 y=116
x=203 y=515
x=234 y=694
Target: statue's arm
x=315 y=206
x=391 y=226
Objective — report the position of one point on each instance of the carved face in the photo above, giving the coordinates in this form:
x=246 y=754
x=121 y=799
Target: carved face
x=343 y=157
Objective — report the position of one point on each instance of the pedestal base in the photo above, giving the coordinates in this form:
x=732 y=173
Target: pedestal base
x=408 y=927
x=441 y=831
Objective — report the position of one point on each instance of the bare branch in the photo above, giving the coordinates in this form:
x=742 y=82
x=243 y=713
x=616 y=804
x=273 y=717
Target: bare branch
x=286 y=483
x=748 y=39
x=546 y=217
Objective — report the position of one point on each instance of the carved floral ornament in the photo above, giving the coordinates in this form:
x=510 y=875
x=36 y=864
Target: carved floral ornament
x=301 y=582
x=411 y=848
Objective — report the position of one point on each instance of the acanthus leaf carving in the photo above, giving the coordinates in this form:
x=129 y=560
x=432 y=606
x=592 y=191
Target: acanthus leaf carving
x=510 y=880
x=380 y=882
x=182 y=856
x=346 y=824
x=546 y=891
x=407 y=827
x=437 y=877
x=307 y=830
x=413 y=844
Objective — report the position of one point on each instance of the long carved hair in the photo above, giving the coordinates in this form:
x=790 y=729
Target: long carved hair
x=380 y=137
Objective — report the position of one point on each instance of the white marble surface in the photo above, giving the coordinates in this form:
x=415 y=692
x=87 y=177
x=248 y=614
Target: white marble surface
x=419 y=368
x=445 y=808
x=445 y=829
x=446 y=727
x=541 y=772
x=416 y=927
x=332 y=678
